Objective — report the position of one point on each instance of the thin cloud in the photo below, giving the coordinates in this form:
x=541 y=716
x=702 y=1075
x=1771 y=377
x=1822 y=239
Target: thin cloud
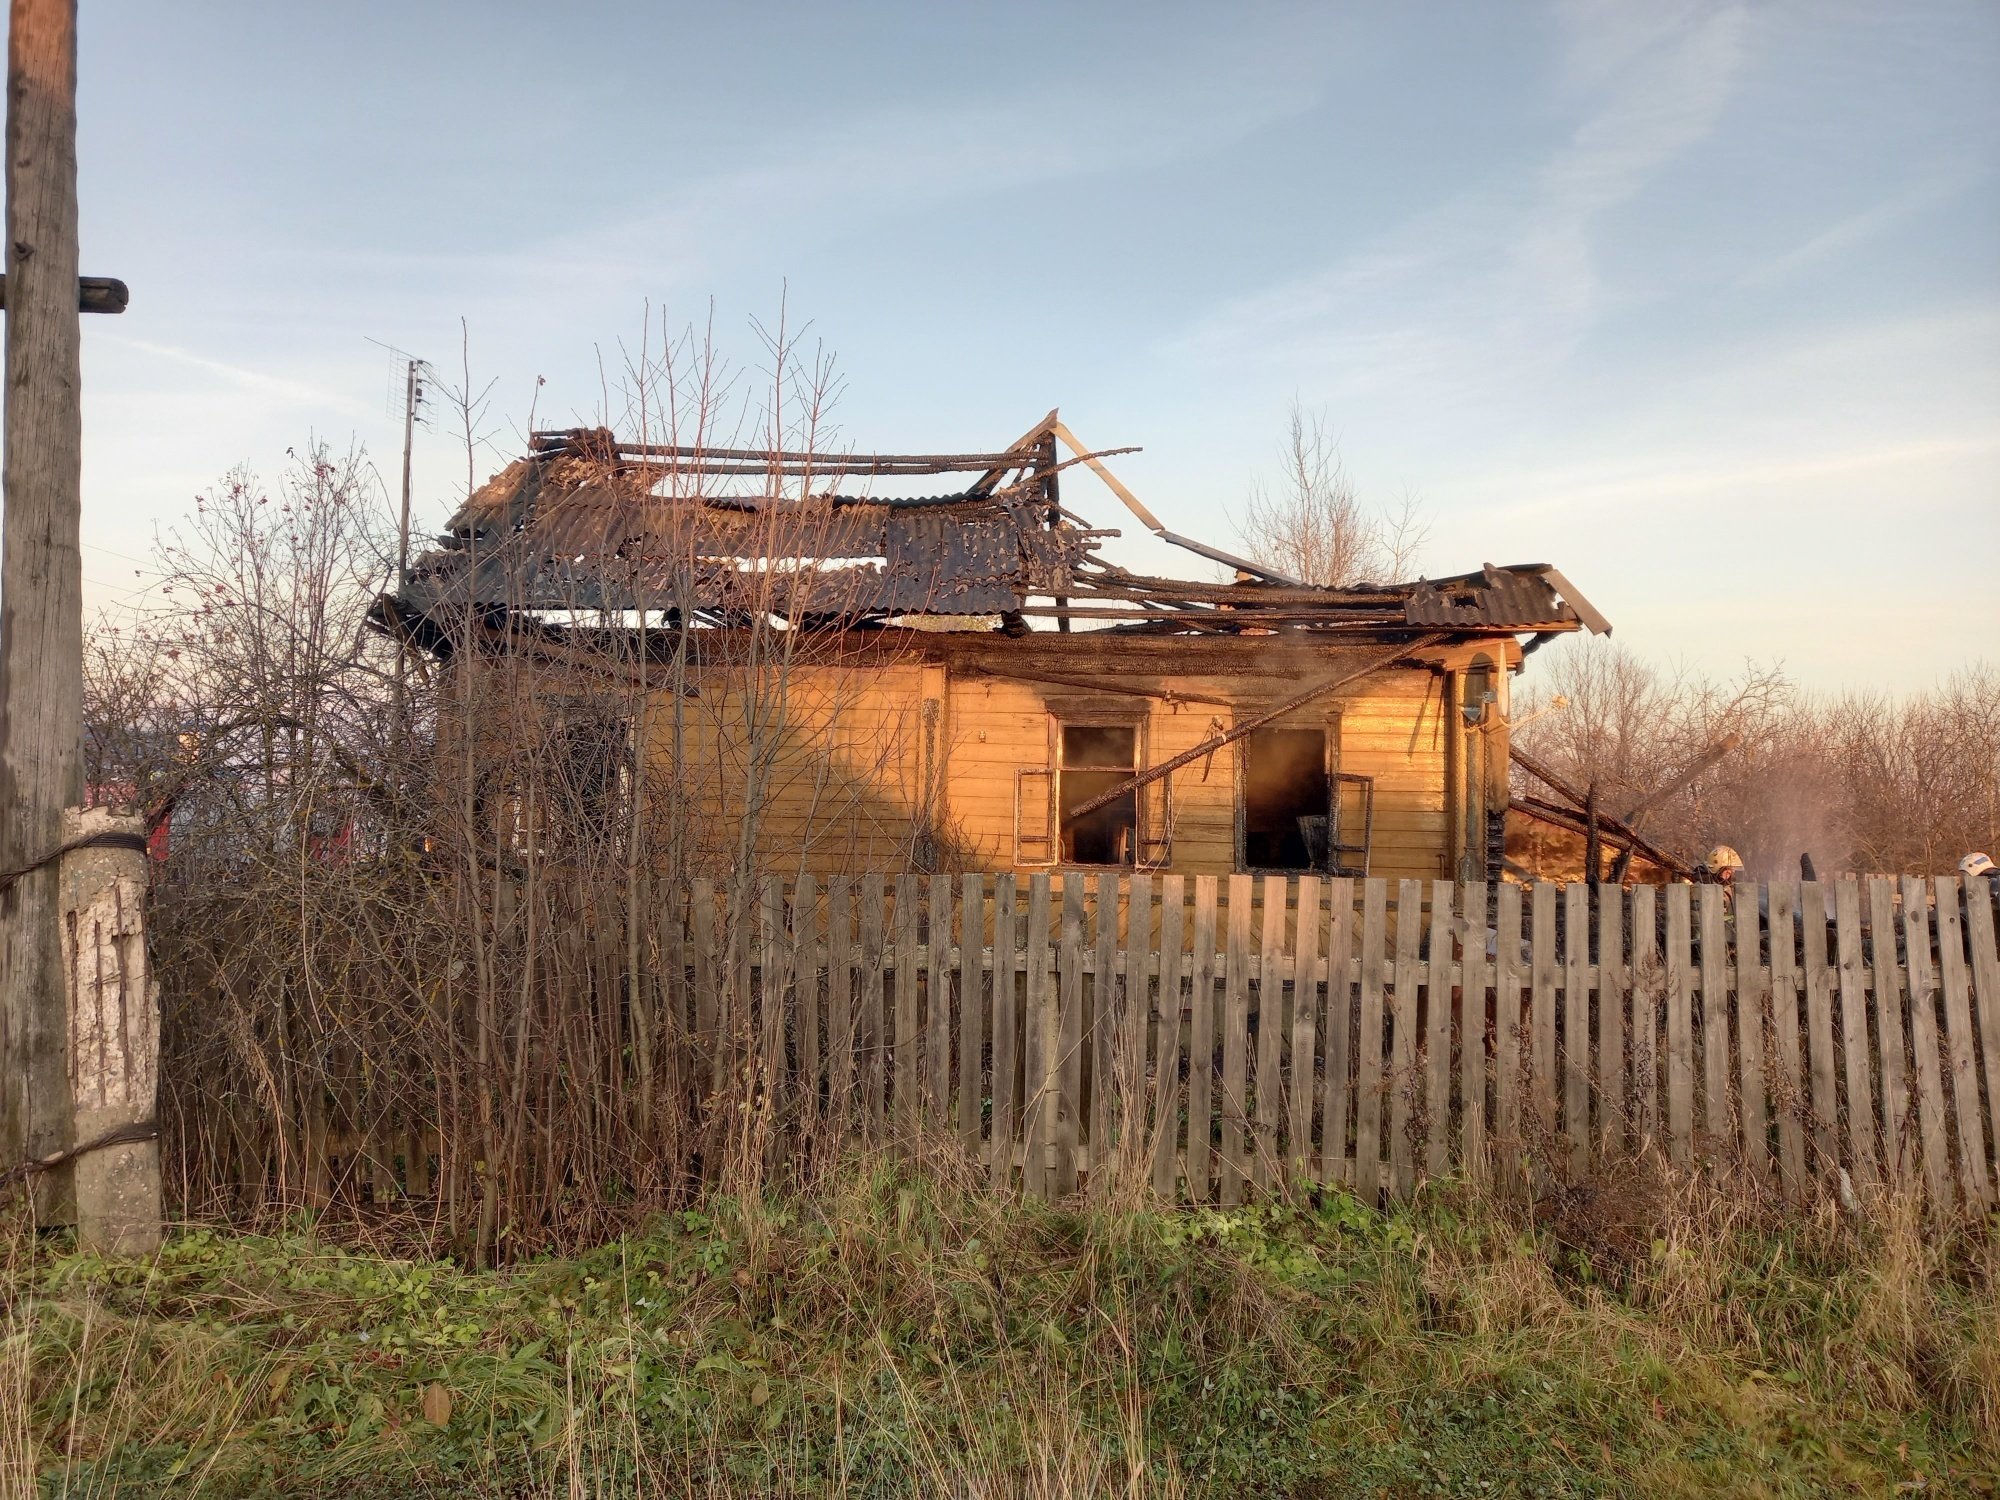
x=1505 y=280
x=283 y=389
x=1870 y=224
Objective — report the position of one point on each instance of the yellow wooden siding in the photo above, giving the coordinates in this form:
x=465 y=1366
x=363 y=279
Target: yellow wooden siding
x=837 y=753
x=841 y=754
x=1392 y=730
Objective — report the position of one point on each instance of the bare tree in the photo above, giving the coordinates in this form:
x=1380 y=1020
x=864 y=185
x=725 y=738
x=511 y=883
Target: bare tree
x=1634 y=733
x=1860 y=781
x=1313 y=524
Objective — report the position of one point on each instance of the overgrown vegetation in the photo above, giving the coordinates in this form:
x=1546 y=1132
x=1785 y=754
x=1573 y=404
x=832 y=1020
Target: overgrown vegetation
x=894 y=1333
x=1860 y=781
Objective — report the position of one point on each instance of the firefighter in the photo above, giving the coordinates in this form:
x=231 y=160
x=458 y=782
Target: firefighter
x=1721 y=867
x=1974 y=866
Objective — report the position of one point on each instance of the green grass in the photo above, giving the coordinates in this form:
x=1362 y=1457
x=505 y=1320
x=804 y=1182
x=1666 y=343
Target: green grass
x=890 y=1334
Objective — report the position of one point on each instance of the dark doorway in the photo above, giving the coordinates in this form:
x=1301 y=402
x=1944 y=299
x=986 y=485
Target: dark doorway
x=1094 y=759
x=1287 y=800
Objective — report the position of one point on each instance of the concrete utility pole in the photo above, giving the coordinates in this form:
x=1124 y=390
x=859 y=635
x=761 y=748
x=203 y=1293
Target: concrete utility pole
x=41 y=590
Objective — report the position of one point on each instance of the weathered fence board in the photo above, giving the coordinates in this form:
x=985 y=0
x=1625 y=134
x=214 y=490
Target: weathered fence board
x=1473 y=1030
x=1211 y=1039
x=1233 y=1167
x=1167 y=1054
x=1368 y=1041
x=1854 y=1030
x=1201 y=1043
x=1576 y=1024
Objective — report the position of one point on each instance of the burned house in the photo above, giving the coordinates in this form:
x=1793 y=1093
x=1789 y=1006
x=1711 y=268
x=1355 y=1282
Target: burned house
x=826 y=676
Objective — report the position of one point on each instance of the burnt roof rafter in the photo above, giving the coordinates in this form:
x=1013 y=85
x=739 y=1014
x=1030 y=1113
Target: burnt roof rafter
x=587 y=522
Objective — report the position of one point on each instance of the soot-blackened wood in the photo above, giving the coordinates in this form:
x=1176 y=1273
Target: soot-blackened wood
x=1245 y=726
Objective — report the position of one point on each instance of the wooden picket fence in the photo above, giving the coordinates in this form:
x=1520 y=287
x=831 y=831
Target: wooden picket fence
x=1214 y=1037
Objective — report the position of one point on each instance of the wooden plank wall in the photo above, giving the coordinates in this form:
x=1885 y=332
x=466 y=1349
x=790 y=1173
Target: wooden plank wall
x=1208 y=1040
x=1214 y=1038
x=841 y=761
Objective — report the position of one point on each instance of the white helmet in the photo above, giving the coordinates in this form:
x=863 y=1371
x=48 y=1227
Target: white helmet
x=1975 y=865
x=1722 y=857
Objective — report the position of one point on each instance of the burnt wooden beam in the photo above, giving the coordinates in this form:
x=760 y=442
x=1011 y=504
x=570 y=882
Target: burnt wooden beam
x=1233 y=620
x=1682 y=777
x=1581 y=801
x=1096 y=685
x=1020 y=453
x=1153 y=523
x=1258 y=721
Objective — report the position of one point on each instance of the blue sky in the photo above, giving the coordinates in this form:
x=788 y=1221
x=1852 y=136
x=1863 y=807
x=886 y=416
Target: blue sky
x=1700 y=302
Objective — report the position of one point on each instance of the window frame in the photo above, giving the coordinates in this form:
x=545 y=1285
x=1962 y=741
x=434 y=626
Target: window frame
x=1151 y=820
x=1058 y=724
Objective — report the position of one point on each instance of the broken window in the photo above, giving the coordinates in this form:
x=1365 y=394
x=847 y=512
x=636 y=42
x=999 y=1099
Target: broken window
x=1092 y=759
x=1287 y=800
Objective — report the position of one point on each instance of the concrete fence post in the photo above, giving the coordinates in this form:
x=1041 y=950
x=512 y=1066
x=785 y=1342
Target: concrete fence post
x=114 y=1032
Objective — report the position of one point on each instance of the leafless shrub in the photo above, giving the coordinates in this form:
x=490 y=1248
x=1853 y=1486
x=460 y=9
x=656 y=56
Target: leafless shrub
x=424 y=950
x=1861 y=782
x=1315 y=527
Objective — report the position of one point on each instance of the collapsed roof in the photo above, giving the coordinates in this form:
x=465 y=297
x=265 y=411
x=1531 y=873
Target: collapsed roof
x=586 y=522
